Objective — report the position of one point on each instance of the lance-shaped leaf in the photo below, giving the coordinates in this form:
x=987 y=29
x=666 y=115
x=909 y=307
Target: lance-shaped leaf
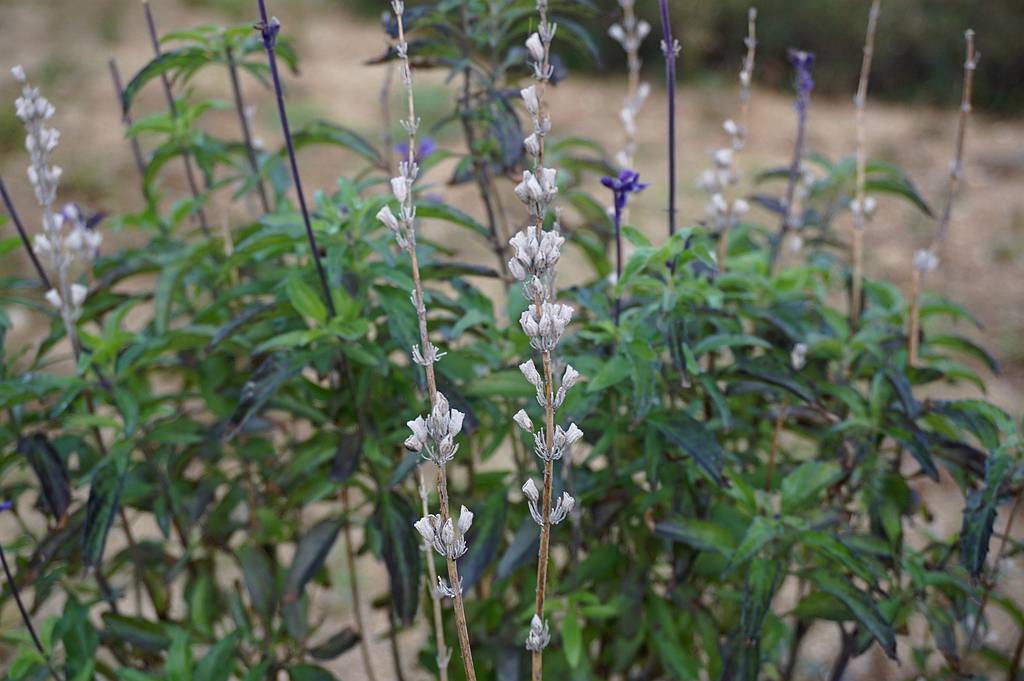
x=346 y=457
x=259 y=579
x=862 y=607
x=744 y=664
x=523 y=547
x=275 y=371
x=402 y=556
x=980 y=513
x=136 y=631
x=50 y=469
x=325 y=132
x=344 y=640
x=695 y=439
x=310 y=555
x=104 y=500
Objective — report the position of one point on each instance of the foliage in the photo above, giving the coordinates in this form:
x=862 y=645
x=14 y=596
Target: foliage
x=219 y=407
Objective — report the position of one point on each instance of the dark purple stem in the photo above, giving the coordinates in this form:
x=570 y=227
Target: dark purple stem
x=173 y=108
x=269 y=42
x=9 y=205
x=250 y=148
x=669 y=49
x=618 y=258
x=24 y=614
x=126 y=117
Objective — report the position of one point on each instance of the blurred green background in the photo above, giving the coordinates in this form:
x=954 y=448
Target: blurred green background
x=918 y=58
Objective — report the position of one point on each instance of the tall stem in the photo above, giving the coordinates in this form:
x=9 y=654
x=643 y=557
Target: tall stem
x=670 y=48
x=25 y=617
x=126 y=117
x=172 y=106
x=408 y=212
x=269 y=30
x=357 y=607
x=955 y=174
x=9 y=205
x=794 y=175
x=545 y=529
x=618 y=257
x=243 y=120
x=860 y=214
x=443 y=654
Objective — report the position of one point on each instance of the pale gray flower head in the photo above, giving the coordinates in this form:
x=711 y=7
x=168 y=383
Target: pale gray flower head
x=545 y=326
x=569 y=379
x=535 y=48
x=865 y=210
x=798 y=357
x=563 y=442
x=19 y=74
x=530 y=98
x=533 y=376
x=925 y=261
x=522 y=419
x=563 y=507
x=536 y=252
x=434 y=436
x=443 y=536
x=388 y=219
x=539 y=635
x=426 y=358
x=444 y=589
x=538 y=190
x=400 y=187
x=530 y=490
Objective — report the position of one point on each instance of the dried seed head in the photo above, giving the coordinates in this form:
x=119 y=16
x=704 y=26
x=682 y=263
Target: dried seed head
x=545 y=326
x=434 y=436
x=539 y=635
x=522 y=419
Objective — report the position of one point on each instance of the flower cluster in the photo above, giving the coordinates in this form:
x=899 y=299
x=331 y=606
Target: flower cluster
x=563 y=507
x=434 y=436
x=630 y=35
x=447 y=537
x=539 y=636
x=66 y=236
x=628 y=182
x=925 y=261
x=544 y=325
x=802 y=63
x=562 y=440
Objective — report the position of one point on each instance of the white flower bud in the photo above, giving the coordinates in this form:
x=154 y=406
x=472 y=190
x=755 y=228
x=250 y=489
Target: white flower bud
x=78 y=294
x=465 y=520
x=535 y=47
x=530 y=490
x=798 y=357
x=522 y=419
x=53 y=298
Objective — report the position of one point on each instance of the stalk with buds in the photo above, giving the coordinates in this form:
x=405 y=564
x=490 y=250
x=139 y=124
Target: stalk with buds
x=927 y=260
x=791 y=219
x=670 y=49
x=536 y=253
x=863 y=206
x=630 y=34
x=66 y=236
x=725 y=208
x=432 y=436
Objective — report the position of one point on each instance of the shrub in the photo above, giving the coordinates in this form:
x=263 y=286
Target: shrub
x=738 y=438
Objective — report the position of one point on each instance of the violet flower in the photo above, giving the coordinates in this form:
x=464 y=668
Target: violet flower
x=424 y=148
x=628 y=182
x=802 y=63
x=6 y=505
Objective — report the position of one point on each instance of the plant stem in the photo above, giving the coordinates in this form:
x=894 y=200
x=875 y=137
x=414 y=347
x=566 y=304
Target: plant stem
x=545 y=530
x=421 y=316
x=617 y=312
x=860 y=215
x=955 y=173
x=243 y=120
x=11 y=211
x=794 y=175
x=26 y=618
x=126 y=118
x=357 y=608
x=670 y=49
x=269 y=43
x=173 y=108
x=443 y=654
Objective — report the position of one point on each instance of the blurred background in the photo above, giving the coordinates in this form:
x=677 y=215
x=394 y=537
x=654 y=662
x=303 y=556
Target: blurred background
x=915 y=90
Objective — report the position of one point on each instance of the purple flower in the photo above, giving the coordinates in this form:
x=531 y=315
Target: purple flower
x=6 y=505
x=426 y=147
x=269 y=30
x=628 y=182
x=802 y=63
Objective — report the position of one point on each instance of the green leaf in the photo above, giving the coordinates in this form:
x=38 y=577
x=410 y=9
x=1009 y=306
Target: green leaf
x=50 y=470
x=310 y=554
x=218 y=663
x=614 y=371
x=325 y=132
x=695 y=439
x=703 y=535
x=305 y=300
x=805 y=483
x=572 y=638
x=259 y=579
x=341 y=642
x=862 y=607
x=761 y=531
x=183 y=59
x=104 y=500
x=136 y=631
x=729 y=340
x=402 y=556
x=980 y=512
x=309 y=672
